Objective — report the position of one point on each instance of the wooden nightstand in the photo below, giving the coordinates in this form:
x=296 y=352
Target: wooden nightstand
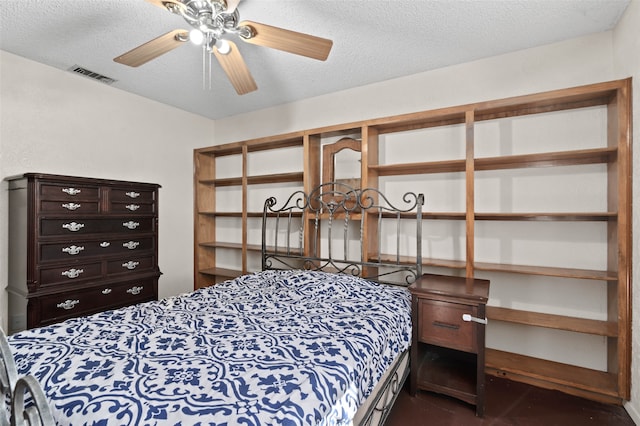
x=447 y=351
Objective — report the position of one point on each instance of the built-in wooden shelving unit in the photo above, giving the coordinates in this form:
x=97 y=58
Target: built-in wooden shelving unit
x=481 y=148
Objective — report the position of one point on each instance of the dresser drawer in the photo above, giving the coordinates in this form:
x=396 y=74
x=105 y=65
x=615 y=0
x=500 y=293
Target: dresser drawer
x=441 y=324
x=132 y=207
x=125 y=195
x=83 y=226
x=87 y=301
x=69 y=192
x=72 y=250
x=130 y=265
x=68 y=207
x=65 y=274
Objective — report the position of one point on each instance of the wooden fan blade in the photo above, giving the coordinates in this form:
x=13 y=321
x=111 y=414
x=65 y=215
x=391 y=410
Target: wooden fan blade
x=231 y=5
x=236 y=69
x=167 y=4
x=154 y=48
x=287 y=40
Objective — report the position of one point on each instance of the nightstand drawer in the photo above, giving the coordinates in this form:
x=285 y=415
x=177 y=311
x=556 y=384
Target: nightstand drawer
x=441 y=324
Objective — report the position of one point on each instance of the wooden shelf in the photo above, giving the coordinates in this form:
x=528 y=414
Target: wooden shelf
x=584 y=382
x=422 y=120
x=234 y=214
x=420 y=168
x=265 y=143
x=255 y=180
x=558 y=322
x=221 y=272
x=586 y=274
x=547 y=159
x=556 y=100
x=232 y=181
x=550 y=216
x=520 y=216
x=444 y=263
x=427 y=215
x=221 y=244
x=221 y=214
x=234 y=246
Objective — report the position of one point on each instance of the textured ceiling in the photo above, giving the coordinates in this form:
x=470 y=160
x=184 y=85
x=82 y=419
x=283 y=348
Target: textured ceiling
x=374 y=40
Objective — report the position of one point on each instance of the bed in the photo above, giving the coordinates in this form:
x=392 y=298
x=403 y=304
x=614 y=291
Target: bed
x=318 y=339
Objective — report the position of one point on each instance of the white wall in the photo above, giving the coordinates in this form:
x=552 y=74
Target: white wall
x=572 y=63
x=590 y=59
x=52 y=121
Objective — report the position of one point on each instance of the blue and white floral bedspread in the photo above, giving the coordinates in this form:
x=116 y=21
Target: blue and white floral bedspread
x=271 y=348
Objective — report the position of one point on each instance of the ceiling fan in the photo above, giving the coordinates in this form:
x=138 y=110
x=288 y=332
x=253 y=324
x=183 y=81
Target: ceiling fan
x=212 y=22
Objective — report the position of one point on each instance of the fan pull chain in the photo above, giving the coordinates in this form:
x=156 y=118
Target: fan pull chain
x=204 y=65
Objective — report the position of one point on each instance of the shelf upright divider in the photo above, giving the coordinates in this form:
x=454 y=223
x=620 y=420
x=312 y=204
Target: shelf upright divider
x=620 y=244
x=245 y=204
x=312 y=153
x=470 y=196
x=369 y=155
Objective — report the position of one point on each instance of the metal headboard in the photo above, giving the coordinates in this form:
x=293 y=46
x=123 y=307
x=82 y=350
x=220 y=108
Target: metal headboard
x=318 y=231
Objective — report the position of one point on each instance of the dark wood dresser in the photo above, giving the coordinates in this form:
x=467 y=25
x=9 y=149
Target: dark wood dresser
x=448 y=342
x=78 y=246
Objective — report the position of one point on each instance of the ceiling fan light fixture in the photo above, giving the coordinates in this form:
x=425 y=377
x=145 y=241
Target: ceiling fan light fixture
x=196 y=36
x=223 y=47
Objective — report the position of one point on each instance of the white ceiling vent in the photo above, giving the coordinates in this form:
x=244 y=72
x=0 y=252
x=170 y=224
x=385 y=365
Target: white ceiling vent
x=94 y=75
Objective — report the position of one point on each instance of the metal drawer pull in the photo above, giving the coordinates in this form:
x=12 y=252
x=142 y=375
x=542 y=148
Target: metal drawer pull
x=71 y=206
x=68 y=304
x=73 y=250
x=71 y=191
x=106 y=291
x=131 y=224
x=468 y=317
x=131 y=245
x=135 y=290
x=132 y=207
x=73 y=226
x=132 y=194
x=446 y=325
x=130 y=264
x=72 y=273
x=105 y=244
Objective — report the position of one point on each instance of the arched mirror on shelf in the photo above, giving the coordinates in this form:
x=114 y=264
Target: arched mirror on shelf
x=341 y=162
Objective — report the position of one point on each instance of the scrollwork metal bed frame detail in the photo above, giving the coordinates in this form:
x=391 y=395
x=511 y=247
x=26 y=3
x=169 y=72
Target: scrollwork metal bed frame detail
x=300 y=219
x=329 y=204
x=12 y=388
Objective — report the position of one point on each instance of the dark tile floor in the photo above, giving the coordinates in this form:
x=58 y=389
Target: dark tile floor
x=508 y=403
